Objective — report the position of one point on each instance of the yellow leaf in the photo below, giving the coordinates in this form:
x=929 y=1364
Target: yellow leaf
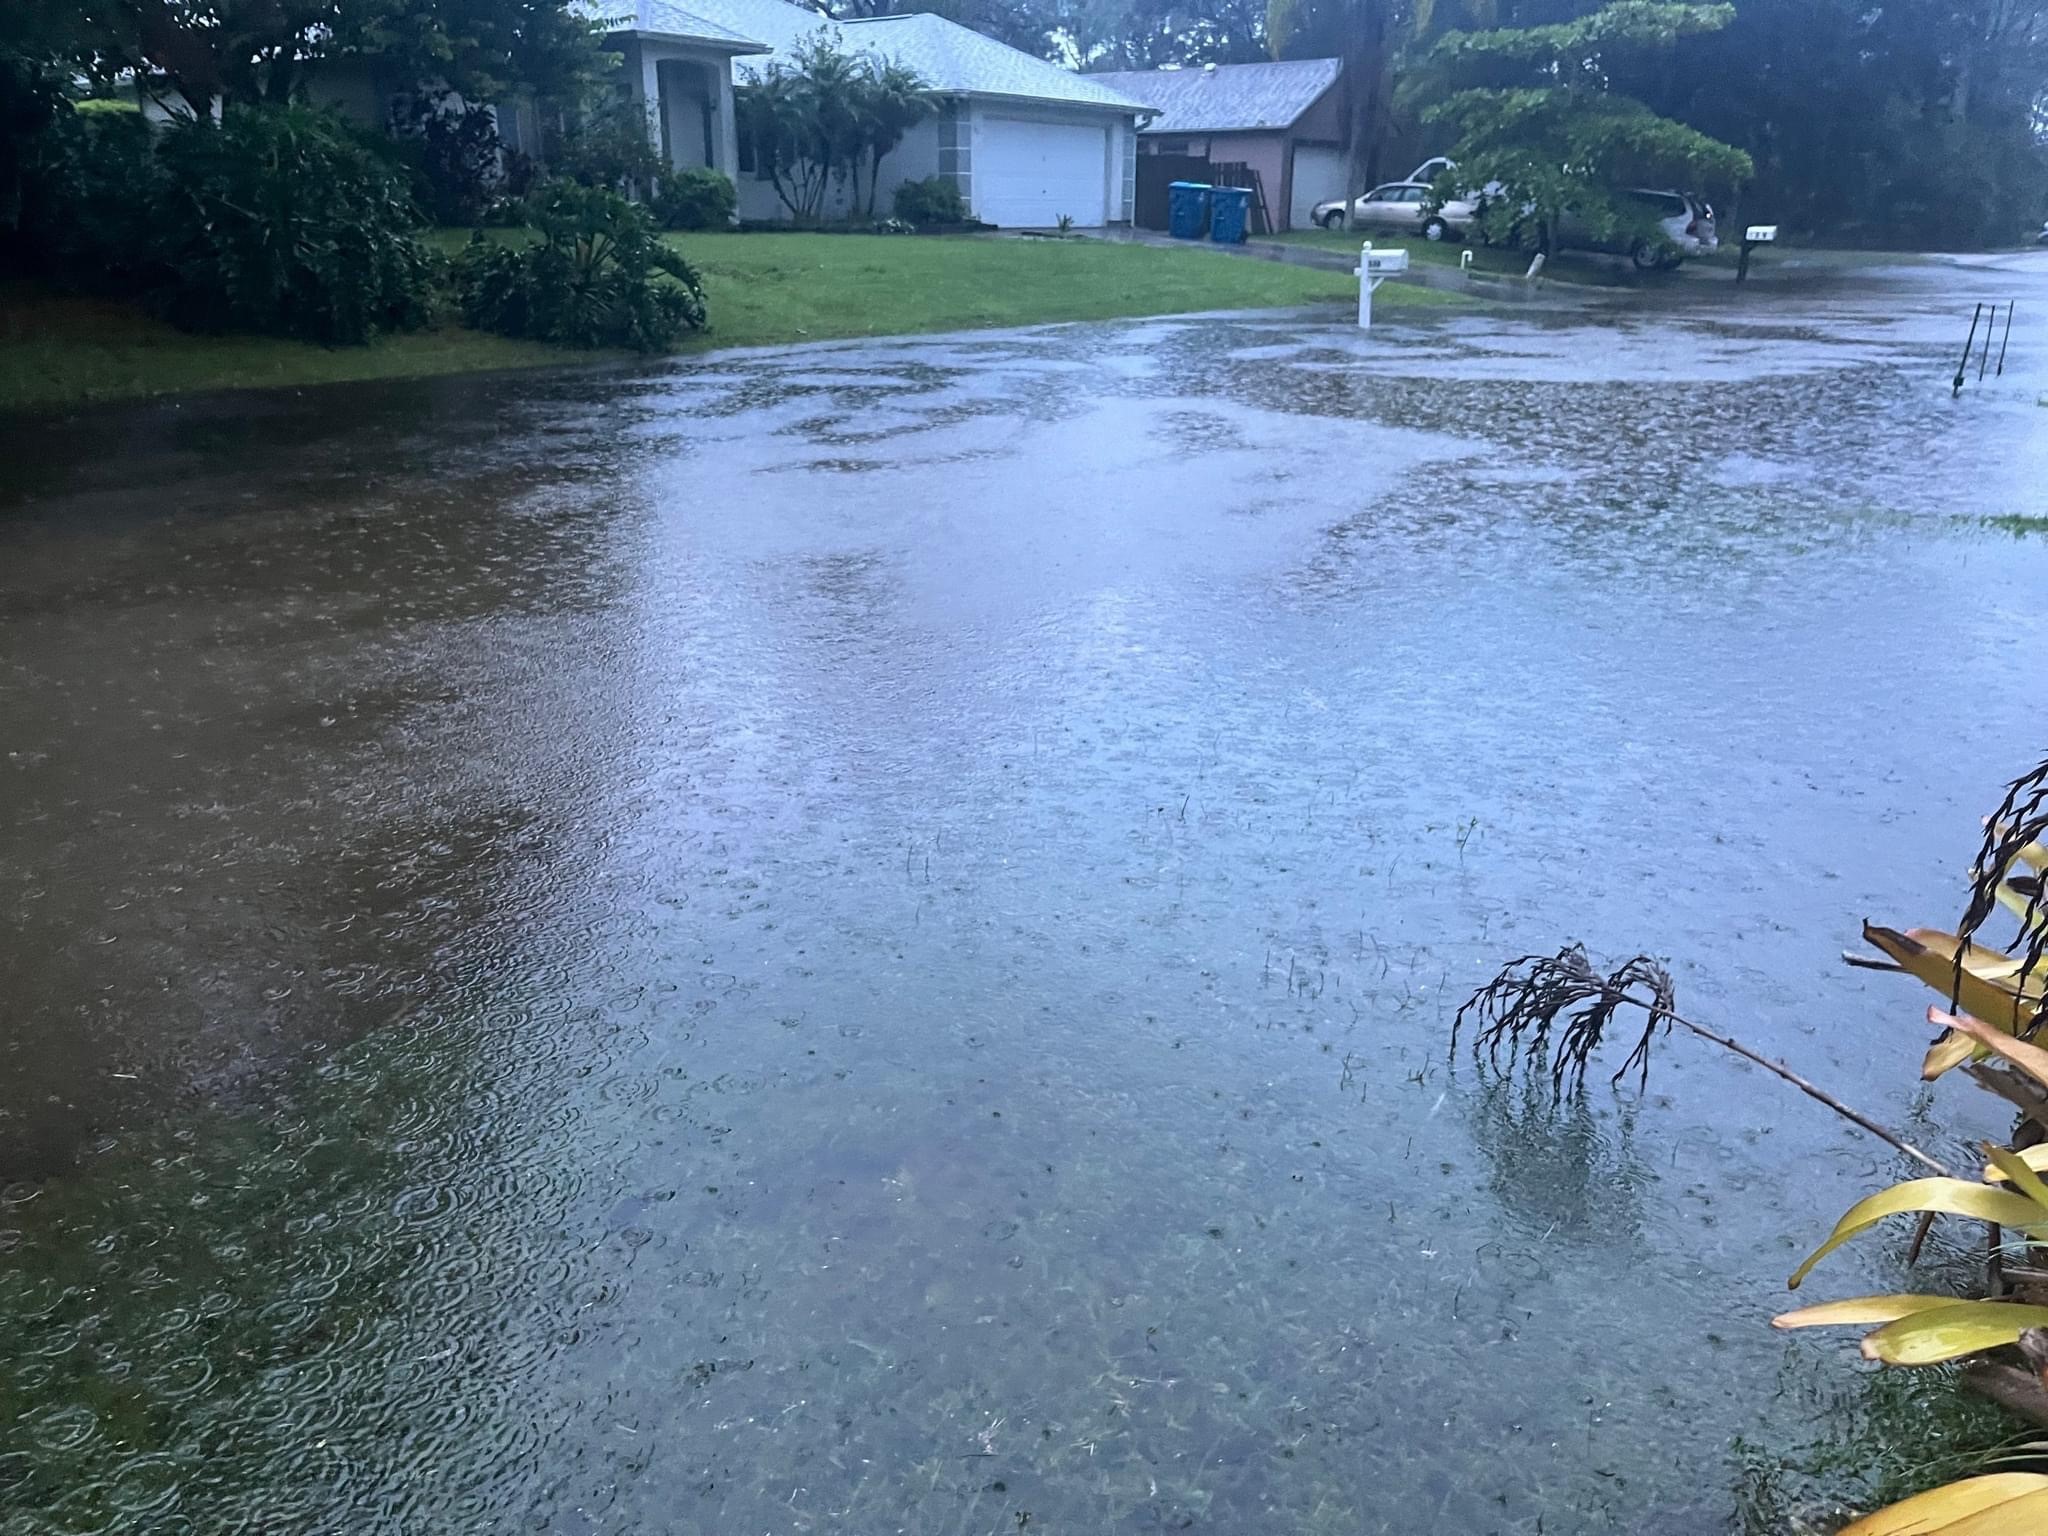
x=2035 y=1158
x=1940 y=1508
x=1950 y=1050
x=2029 y=1058
x=2018 y=1173
x=1930 y=955
x=2036 y=854
x=1860 y=1309
x=1950 y=1332
x=1958 y=1197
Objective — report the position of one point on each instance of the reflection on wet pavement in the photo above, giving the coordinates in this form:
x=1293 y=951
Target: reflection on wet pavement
x=862 y=939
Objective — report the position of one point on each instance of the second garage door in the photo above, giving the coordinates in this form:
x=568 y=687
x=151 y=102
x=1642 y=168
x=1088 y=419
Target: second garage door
x=1028 y=172
x=1319 y=175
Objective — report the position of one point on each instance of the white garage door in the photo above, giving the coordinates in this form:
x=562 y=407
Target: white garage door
x=1027 y=173
x=1318 y=178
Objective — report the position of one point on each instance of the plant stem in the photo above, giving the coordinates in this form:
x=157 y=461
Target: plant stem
x=1811 y=1090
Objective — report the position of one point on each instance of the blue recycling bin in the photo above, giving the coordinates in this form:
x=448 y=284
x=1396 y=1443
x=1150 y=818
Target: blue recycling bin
x=1229 y=212
x=1187 y=209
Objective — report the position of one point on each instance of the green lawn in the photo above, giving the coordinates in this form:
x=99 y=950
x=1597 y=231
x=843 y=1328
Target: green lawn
x=775 y=287
x=761 y=289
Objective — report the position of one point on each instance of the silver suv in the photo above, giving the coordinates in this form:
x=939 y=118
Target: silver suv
x=1683 y=226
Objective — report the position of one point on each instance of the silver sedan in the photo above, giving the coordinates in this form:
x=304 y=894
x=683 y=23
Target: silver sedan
x=1398 y=206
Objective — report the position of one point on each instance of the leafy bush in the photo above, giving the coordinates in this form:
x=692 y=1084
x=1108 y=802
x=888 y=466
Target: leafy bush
x=935 y=200
x=455 y=150
x=90 y=183
x=698 y=198
x=598 y=276
x=604 y=143
x=280 y=220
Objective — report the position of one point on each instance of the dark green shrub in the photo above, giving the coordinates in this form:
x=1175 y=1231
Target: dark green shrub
x=935 y=200
x=455 y=151
x=698 y=198
x=90 y=186
x=604 y=143
x=598 y=276
x=280 y=220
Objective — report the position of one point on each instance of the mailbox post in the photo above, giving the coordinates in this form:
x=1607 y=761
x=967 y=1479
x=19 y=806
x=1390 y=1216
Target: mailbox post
x=1752 y=237
x=1374 y=268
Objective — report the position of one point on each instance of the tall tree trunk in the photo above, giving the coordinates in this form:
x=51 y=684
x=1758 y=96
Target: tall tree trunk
x=1365 y=80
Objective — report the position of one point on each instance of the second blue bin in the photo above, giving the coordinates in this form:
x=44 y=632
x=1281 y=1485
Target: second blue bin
x=1187 y=209
x=1229 y=213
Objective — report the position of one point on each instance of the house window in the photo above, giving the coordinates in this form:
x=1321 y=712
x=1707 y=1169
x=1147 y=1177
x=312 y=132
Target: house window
x=1167 y=146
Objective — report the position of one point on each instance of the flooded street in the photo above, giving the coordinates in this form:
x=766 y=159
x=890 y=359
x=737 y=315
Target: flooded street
x=864 y=939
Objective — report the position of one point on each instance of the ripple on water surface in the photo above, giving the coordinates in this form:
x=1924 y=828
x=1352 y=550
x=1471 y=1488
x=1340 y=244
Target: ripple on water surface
x=866 y=945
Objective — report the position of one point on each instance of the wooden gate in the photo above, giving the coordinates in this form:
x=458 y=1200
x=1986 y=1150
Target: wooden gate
x=1155 y=174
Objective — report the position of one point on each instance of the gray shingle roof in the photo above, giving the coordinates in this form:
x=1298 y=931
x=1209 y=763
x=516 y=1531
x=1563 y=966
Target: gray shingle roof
x=951 y=58
x=1229 y=97
x=960 y=61
x=663 y=18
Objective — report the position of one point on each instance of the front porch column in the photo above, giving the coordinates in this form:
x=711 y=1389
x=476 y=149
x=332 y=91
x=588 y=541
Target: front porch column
x=648 y=81
x=725 y=140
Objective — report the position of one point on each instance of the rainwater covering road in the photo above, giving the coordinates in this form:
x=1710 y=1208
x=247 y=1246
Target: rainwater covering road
x=864 y=939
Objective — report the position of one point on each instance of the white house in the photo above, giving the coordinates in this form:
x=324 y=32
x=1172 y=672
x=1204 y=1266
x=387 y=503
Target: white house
x=1026 y=141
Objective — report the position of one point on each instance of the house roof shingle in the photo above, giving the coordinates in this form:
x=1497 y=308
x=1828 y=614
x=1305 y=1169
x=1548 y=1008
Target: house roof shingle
x=663 y=18
x=959 y=61
x=952 y=59
x=1227 y=98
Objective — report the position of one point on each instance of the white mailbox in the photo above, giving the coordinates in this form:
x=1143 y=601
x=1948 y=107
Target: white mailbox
x=1760 y=234
x=1374 y=267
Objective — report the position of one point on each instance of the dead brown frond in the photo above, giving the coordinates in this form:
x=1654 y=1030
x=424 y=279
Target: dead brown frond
x=2020 y=821
x=1520 y=1006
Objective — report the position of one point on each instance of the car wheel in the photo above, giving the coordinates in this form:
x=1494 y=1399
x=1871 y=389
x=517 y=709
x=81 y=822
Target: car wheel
x=1435 y=229
x=1646 y=255
x=1334 y=219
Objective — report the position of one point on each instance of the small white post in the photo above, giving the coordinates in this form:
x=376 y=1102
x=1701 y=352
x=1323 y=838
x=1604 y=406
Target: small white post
x=1365 y=287
x=1465 y=260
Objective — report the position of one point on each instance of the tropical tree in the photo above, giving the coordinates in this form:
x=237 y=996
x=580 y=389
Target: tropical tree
x=1362 y=33
x=1149 y=34
x=824 y=118
x=210 y=52
x=888 y=102
x=42 y=46
x=1535 y=118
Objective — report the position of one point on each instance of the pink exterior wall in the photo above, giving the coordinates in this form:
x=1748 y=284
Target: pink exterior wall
x=1264 y=152
x=1323 y=123
x=1269 y=151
